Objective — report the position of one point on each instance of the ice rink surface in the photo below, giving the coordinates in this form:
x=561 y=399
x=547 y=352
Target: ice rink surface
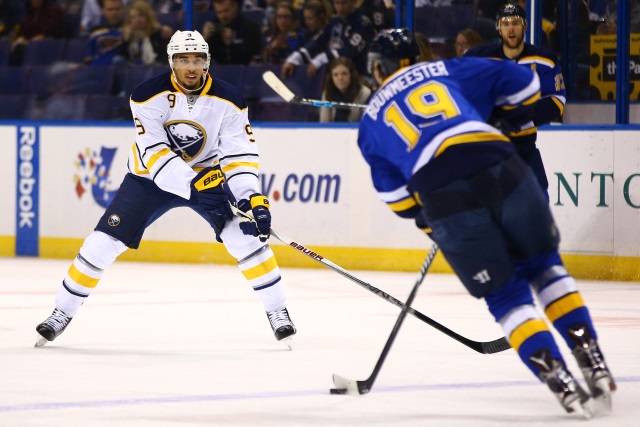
x=190 y=345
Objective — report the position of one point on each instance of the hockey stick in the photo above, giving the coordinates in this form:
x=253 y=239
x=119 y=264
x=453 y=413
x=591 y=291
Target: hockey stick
x=490 y=347
x=285 y=93
x=345 y=386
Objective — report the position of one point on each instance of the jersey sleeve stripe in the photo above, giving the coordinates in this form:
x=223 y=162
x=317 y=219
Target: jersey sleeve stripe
x=157 y=156
x=470 y=137
x=137 y=161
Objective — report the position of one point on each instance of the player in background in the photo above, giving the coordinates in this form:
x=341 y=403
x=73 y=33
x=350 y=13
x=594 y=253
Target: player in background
x=511 y=24
x=432 y=153
x=193 y=147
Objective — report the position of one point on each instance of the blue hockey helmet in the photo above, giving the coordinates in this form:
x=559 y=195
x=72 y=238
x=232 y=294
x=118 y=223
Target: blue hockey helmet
x=391 y=50
x=511 y=10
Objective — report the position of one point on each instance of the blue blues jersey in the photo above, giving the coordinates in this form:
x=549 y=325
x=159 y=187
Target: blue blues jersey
x=440 y=109
x=545 y=63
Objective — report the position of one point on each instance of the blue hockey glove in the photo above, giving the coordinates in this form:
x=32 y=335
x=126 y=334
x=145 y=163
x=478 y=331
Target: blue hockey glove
x=259 y=207
x=214 y=195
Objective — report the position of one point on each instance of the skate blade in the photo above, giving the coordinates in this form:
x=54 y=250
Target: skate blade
x=603 y=402
x=288 y=342
x=581 y=409
x=40 y=341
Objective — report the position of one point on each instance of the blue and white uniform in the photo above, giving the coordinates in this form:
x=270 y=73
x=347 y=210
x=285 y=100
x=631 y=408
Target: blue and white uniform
x=431 y=152
x=549 y=107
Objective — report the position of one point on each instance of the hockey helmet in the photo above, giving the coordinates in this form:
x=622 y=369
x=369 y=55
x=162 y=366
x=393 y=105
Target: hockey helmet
x=392 y=49
x=511 y=10
x=188 y=42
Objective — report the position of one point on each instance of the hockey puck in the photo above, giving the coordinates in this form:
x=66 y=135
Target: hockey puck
x=338 y=391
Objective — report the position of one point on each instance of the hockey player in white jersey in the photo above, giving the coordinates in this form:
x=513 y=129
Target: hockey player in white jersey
x=193 y=147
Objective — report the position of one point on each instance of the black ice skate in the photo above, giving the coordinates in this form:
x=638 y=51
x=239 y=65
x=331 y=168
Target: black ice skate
x=52 y=327
x=281 y=324
x=554 y=373
x=592 y=364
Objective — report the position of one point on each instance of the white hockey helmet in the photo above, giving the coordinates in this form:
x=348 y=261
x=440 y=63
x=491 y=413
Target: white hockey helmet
x=188 y=42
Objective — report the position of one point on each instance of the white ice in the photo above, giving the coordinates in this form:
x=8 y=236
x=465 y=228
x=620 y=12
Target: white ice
x=186 y=345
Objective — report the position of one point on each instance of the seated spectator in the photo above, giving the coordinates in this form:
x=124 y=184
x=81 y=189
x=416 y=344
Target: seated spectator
x=91 y=15
x=426 y=52
x=316 y=15
x=610 y=26
x=381 y=12
x=347 y=34
x=106 y=40
x=343 y=84
x=233 y=38
x=466 y=39
x=284 y=36
x=44 y=19
x=12 y=13
x=145 y=40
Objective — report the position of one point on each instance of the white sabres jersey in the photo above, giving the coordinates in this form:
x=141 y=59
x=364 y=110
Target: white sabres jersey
x=178 y=135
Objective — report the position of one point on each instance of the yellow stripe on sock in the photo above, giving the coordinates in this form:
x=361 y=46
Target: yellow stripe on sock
x=261 y=269
x=526 y=331
x=564 y=305
x=81 y=278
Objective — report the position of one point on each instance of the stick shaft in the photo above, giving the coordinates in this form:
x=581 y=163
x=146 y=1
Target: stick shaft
x=365 y=386
x=490 y=347
x=285 y=93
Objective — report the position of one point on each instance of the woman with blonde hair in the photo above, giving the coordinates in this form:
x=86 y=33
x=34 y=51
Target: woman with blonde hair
x=145 y=40
x=343 y=84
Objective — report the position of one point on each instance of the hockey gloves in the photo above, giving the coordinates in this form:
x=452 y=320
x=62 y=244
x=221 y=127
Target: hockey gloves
x=213 y=195
x=259 y=207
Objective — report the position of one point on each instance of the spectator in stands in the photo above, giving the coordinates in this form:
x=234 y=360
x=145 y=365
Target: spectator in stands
x=145 y=40
x=44 y=19
x=106 y=41
x=466 y=39
x=347 y=34
x=284 y=35
x=343 y=84
x=316 y=14
x=381 y=12
x=424 y=45
x=12 y=13
x=610 y=26
x=233 y=39
x=92 y=15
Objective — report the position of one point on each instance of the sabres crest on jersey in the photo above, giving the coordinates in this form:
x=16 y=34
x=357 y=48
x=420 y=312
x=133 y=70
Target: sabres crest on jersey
x=187 y=138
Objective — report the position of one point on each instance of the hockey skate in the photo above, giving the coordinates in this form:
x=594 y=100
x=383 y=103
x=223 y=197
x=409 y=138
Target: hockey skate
x=593 y=367
x=570 y=394
x=53 y=326
x=282 y=326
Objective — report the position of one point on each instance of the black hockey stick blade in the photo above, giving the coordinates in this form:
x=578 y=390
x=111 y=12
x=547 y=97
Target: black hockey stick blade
x=490 y=347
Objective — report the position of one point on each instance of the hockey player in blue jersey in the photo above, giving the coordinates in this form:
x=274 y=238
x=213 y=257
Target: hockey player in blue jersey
x=194 y=148
x=434 y=157
x=511 y=24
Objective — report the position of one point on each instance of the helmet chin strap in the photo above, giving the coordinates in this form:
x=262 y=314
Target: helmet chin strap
x=204 y=80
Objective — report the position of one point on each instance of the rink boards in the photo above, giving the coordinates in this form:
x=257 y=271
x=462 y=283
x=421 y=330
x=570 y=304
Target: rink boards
x=57 y=179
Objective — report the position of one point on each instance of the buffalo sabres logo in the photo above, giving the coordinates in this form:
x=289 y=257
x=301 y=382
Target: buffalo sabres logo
x=113 y=220
x=186 y=138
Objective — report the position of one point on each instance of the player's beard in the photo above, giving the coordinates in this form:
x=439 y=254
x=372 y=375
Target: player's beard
x=513 y=43
x=193 y=86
